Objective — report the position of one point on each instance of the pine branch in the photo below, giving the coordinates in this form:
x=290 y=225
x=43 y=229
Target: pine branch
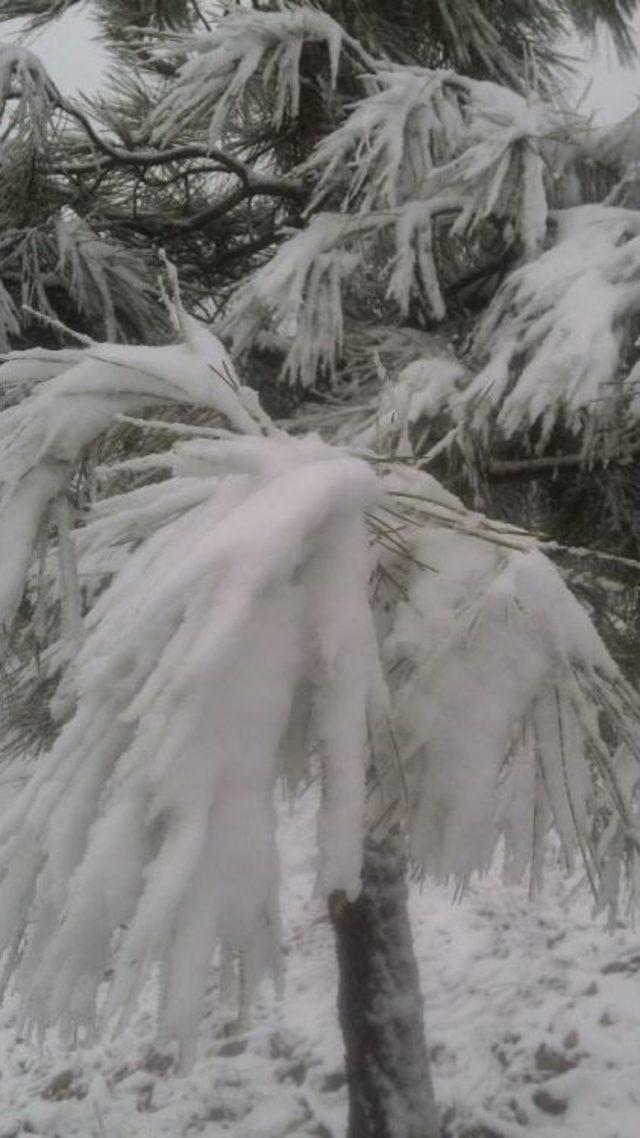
x=164 y=225
x=144 y=159
x=499 y=469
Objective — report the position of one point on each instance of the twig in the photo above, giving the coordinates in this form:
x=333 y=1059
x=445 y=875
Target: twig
x=119 y=155
x=200 y=14
x=497 y=533
x=502 y=468
x=175 y=428
x=58 y=326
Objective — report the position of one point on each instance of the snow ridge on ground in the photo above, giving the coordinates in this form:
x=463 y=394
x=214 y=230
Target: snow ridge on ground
x=533 y=1022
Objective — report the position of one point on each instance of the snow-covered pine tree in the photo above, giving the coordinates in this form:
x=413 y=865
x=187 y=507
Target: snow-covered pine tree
x=425 y=233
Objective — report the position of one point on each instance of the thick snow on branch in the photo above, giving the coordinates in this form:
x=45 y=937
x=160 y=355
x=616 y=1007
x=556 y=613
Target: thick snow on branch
x=393 y=139
x=414 y=263
x=300 y=288
x=247 y=52
x=24 y=77
x=131 y=839
x=110 y=285
x=74 y=399
x=407 y=405
x=554 y=336
x=497 y=171
x=501 y=688
x=427 y=136
x=300 y=292
x=501 y=178
x=429 y=149
x=552 y=342
x=235 y=638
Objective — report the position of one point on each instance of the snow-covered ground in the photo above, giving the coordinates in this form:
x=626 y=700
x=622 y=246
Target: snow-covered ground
x=533 y=1016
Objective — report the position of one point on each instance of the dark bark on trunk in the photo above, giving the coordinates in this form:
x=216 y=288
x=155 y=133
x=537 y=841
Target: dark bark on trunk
x=380 y=1004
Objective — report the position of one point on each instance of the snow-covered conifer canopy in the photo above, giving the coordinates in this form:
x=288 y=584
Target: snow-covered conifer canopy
x=420 y=154
x=420 y=158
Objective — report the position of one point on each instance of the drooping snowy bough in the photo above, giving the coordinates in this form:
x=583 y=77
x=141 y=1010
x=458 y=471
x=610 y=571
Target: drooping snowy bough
x=72 y=397
x=512 y=717
x=136 y=826
x=554 y=340
x=272 y=605
x=245 y=56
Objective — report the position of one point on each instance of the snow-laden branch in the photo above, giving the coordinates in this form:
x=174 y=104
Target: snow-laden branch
x=505 y=700
x=550 y=348
x=425 y=134
x=63 y=264
x=234 y=639
x=75 y=395
x=132 y=837
x=110 y=285
x=113 y=155
x=246 y=52
x=301 y=291
x=428 y=150
x=392 y=140
x=24 y=77
x=554 y=336
x=301 y=286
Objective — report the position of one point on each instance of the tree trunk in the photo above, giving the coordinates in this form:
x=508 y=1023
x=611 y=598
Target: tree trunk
x=380 y=1004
